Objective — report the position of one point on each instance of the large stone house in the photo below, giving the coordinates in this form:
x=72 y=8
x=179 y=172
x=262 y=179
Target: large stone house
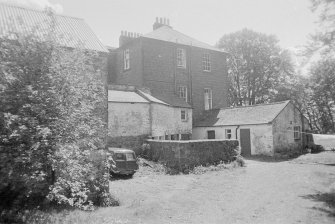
x=261 y=129
x=171 y=64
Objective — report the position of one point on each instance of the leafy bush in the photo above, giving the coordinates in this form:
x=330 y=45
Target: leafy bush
x=52 y=121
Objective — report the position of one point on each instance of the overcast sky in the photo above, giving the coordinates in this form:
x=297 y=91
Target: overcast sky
x=206 y=20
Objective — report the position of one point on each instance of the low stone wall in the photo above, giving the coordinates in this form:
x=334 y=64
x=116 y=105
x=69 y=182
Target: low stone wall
x=129 y=142
x=181 y=155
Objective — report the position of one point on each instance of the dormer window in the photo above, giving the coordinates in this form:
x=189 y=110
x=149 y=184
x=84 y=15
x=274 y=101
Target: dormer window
x=126 y=59
x=206 y=62
x=181 y=58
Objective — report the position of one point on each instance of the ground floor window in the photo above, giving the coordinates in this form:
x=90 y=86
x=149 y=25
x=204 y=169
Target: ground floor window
x=228 y=133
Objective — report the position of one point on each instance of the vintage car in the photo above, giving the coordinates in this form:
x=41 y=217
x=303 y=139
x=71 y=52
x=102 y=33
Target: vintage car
x=122 y=161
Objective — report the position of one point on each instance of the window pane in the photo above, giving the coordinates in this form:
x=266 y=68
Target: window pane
x=130 y=156
x=119 y=156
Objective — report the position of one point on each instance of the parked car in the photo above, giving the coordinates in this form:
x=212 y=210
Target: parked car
x=122 y=161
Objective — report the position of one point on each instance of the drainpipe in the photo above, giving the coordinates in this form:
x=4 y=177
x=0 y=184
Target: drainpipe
x=150 y=118
x=238 y=127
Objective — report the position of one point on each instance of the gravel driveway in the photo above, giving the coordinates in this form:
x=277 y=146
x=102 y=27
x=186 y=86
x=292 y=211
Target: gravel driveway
x=296 y=191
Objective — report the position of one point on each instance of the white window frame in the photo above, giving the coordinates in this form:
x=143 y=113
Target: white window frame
x=182 y=92
x=206 y=62
x=126 y=59
x=297 y=132
x=208 y=98
x=228 y=133
x=183 y=112
x=181 y=58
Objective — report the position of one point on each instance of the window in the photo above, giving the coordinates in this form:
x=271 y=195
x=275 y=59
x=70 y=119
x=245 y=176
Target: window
x=206 y=62
x=211 y=134
x=181 y=58
x=119 y=156
x=228 y=133
x=126 y=59
x=297 y=132
x=130 y=156
x=208 y=99
x=183 y=115
x=182 y=92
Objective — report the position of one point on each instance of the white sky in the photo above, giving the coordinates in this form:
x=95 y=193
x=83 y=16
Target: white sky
x=206 y=20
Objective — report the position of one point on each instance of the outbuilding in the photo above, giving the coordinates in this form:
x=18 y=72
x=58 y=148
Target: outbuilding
x=261 y=129
x=135 y=114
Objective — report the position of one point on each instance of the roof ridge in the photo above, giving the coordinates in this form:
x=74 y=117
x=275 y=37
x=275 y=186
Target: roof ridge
x=189 y=37
x=255 y=105
x=36 y=10
x=191 y=41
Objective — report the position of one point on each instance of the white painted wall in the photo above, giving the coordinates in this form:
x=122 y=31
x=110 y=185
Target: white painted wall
x=261 y=138
x=283 y=129
x=134 y=119
x=167 y=120
x=128 y=119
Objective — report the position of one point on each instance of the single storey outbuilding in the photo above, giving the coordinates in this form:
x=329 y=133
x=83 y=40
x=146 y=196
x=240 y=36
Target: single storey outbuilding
x=135 y=114
x=261 y=129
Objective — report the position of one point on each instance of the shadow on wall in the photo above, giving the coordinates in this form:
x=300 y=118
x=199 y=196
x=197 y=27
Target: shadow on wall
x=327 y=198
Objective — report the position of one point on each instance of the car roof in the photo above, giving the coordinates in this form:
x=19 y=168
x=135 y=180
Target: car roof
x=120 y=150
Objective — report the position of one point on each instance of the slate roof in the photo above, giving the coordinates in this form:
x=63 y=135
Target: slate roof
x=138 y=96
x=70 y=32
x=257 y=114
x=125 y=97
x=166 y=33
x=171 y=99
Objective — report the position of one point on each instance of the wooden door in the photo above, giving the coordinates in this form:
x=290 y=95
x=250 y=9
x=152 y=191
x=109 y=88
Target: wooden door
x=245 y=142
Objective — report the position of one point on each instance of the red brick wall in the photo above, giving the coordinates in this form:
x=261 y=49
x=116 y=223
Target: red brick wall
x=153 y=64
x=132 y=76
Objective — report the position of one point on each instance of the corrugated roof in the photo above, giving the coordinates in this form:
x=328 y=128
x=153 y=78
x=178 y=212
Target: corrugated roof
x=257 y=114
x=125 y=97
x=166 y=33
x=70 y=32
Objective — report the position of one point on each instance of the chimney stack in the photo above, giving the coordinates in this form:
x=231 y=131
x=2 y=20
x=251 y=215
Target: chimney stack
x=161 y=22
x=126 y=37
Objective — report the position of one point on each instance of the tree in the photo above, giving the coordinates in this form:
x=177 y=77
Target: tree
x=52 y=122
x=323 y=41
x=322 y=83
x=257 y=65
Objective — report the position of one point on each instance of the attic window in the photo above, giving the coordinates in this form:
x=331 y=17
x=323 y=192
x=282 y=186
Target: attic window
x=297 y=132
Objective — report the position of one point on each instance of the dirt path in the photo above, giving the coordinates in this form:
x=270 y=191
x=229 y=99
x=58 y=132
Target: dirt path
x=262 y=192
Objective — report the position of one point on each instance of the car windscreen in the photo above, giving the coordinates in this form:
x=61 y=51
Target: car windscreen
x=119 y=156
x=130 y=156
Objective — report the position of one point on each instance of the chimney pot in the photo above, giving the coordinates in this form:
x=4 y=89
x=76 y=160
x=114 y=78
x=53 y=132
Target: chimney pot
x=160 y=20
x=156 y=19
